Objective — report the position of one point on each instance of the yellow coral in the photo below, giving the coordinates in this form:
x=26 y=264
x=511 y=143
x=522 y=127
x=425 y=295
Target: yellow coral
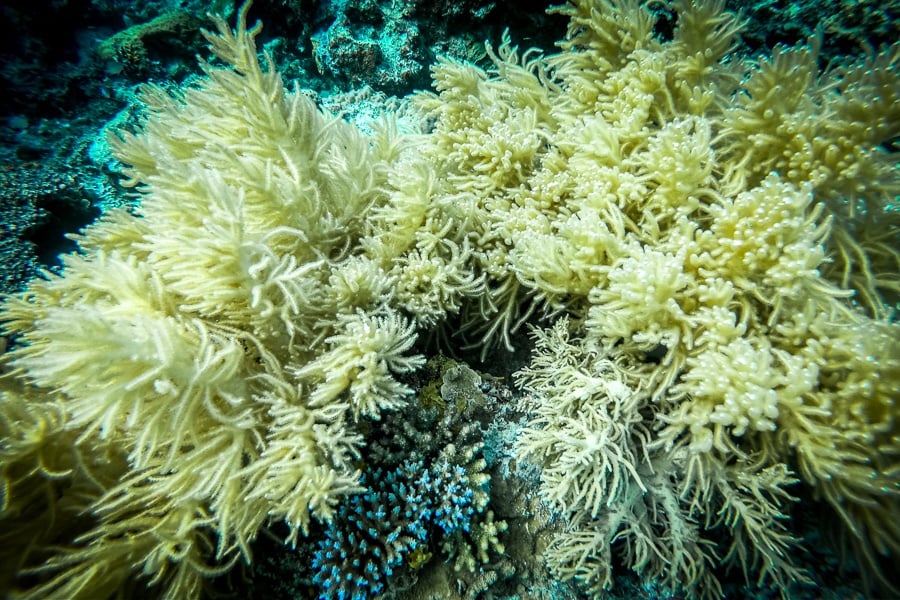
x=199 y=369
x=718 y=228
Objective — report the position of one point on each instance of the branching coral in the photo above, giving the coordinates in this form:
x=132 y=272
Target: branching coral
x=376 y=532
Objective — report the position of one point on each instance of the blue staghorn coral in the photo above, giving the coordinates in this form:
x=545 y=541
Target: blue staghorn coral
x=401 y=511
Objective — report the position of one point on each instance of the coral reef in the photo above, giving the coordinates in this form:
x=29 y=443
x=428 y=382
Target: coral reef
x=706 y=247
x=848 y=25
x=434 y=451
x=381 y=45
x=40 y=199
x=388 y=44
x=129 y=46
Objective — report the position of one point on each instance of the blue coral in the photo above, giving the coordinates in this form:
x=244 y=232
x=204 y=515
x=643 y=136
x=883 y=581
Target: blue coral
x=373 y=532
x=450 y=486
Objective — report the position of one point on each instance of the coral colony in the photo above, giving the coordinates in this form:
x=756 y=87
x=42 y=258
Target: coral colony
x=704 y=247
x=375 y=531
